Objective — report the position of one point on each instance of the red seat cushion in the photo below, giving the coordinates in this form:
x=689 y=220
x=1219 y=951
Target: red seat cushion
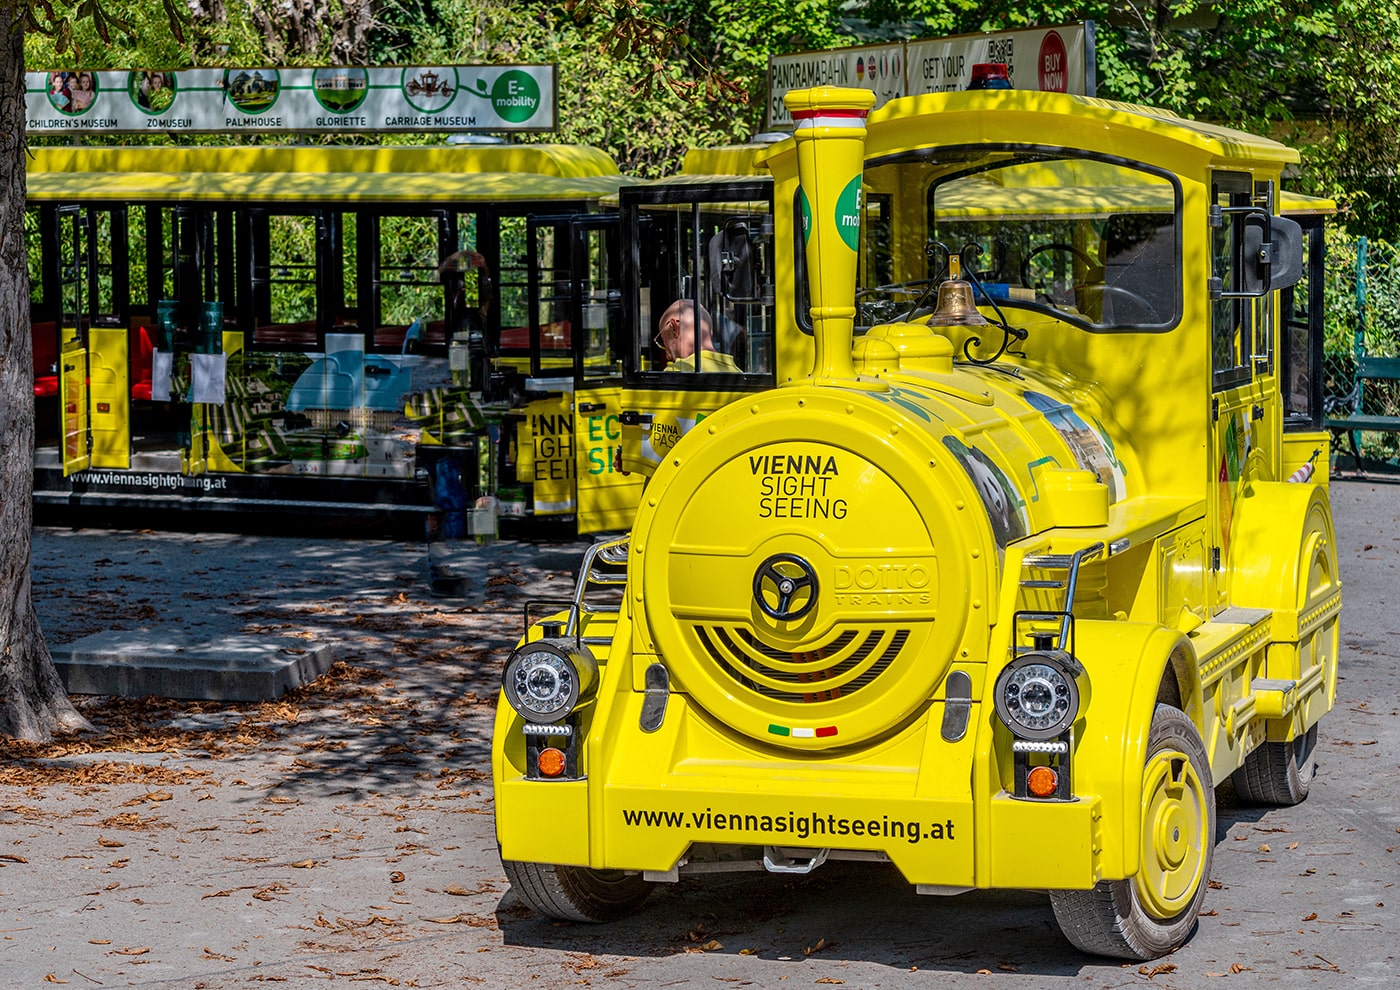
x=141 y=352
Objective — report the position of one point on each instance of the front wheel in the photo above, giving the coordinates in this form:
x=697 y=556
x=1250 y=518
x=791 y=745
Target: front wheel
x=1154 y=912
x=576 y=893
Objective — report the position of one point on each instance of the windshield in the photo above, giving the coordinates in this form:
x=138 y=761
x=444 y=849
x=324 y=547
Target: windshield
x=1095 y=243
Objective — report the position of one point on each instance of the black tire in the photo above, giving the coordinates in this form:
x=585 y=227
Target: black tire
x=576 y=893
x=1154 y=912
x=1278 y=773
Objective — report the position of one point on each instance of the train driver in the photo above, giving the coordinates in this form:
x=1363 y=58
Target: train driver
x=676 y=336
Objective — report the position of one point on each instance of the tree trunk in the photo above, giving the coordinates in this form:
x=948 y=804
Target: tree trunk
x=33 y=704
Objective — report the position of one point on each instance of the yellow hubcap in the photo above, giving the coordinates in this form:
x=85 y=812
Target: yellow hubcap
x=1174 y=839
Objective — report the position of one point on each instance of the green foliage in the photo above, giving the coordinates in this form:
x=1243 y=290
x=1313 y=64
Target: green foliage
x=628 y=107
x=1381 y=327
x=646 y=79
x=139 y=35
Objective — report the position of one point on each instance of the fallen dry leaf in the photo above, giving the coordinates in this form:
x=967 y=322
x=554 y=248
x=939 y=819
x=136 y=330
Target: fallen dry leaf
x=128 y=951
x=1265 y=848
x=1156 y=971
x=1238 y=968
x=830 y=979
x=396 y=876
x=110 y=843
x=1311 y=917
x=305 y=864
x=821 y=944
x=50 y=978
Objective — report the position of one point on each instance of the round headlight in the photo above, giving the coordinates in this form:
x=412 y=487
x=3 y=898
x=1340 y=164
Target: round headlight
x=546 y=680
x=1038 y=695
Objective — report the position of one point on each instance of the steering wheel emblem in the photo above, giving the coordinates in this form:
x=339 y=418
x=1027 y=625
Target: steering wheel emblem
x=785 y=587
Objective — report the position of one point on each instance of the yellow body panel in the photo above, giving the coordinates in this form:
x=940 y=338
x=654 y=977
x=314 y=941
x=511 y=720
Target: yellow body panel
x=607 y=498
x=545 y=454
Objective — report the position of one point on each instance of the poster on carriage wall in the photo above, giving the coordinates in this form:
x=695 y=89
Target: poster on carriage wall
x=450 y=98
x=1054 y=59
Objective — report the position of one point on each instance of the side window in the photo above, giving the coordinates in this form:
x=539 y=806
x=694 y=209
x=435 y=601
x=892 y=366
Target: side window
x=600 y=297
x=109 y=269
x=1300 y=340
x=514 y=274
x=704 y=257
x=35 y=257
x=409 y=299
x=1232 y=319
x=552 y=297
x=283 y=278
x=877 y=247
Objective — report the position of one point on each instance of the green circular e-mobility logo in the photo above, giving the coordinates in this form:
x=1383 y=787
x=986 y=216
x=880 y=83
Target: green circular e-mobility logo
x=515 y=95
x=848 y=214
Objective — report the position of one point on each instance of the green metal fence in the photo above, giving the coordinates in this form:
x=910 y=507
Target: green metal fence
x=1362 y=303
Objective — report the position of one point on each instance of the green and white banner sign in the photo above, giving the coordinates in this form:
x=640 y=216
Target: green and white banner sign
x=263 y=100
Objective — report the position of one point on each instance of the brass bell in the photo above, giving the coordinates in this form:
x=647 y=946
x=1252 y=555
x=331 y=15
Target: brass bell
x=955 y=304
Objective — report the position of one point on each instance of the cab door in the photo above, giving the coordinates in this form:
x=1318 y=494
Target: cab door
x=546 y=448
x=707 y=247
x=192 y=264
x=607 y=498
x=1244 y=393
x=72 y=340
x=108 y=335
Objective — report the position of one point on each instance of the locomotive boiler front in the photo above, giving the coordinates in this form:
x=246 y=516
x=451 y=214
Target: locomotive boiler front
x=811 y=566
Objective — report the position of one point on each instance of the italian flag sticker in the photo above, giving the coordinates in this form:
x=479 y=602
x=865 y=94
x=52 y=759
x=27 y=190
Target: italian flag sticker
x=801 y=733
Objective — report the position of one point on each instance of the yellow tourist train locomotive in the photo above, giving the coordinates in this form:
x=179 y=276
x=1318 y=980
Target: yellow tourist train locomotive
x=1035 y=554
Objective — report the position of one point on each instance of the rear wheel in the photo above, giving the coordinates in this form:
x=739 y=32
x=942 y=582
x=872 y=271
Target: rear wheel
x=576 y=893
x=1154 y=912
x=1278 y=773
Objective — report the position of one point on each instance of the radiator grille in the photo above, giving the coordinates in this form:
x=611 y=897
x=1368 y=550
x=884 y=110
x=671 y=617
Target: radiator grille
x=846 y=663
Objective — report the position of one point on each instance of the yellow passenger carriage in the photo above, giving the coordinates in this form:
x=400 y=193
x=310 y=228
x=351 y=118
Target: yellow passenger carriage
x=1033 y=554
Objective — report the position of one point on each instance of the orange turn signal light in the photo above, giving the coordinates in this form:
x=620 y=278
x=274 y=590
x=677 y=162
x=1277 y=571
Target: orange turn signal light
x=551 y=762
x=1042 y=782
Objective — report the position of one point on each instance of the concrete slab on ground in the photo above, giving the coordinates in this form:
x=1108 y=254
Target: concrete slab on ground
x=167 y=664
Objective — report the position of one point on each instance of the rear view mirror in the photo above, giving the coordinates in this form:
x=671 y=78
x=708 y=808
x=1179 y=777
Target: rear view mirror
x=1273 y=254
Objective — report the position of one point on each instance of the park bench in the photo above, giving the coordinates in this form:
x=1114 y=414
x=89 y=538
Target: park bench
x=1343 y=413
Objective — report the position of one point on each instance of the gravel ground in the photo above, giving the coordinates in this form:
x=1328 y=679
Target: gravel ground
x=343 y=834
